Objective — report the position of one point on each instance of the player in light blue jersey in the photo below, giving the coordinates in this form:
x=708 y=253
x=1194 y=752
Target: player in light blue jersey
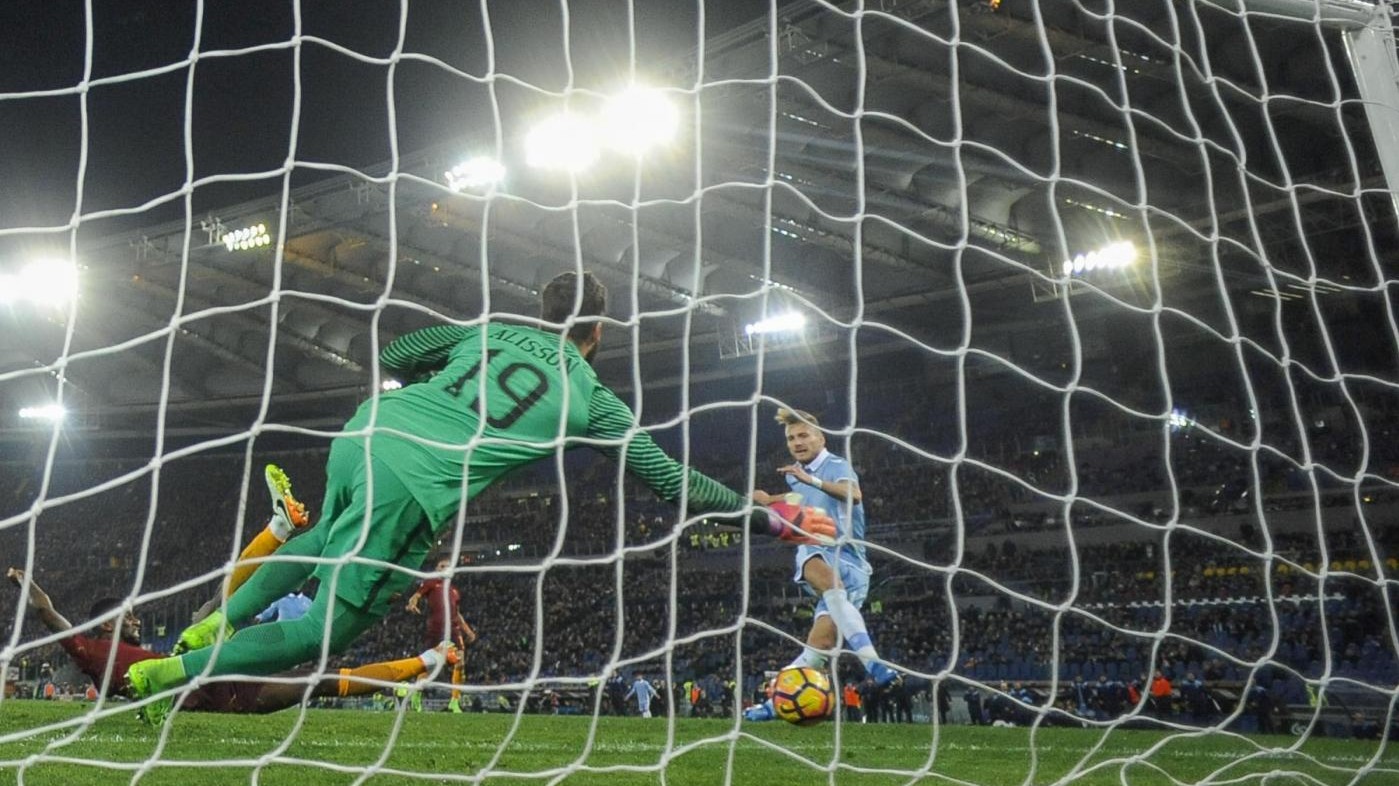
x=291 y=606
x=839 y=574
x=644 y=693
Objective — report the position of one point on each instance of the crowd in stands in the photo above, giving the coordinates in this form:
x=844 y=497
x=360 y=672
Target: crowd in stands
x=1103 y=619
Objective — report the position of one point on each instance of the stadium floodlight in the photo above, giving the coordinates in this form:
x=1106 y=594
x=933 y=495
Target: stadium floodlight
x=44 y=282
x=248 y=237
x=475 y=172
x=638 y=120
x=1178 y=420
x=1115 y=256
x=50 y=412
x=565 y=141
x=783 y=323
x=390 y=384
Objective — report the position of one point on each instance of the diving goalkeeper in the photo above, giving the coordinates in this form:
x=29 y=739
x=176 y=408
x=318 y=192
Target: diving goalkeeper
x=482 y=401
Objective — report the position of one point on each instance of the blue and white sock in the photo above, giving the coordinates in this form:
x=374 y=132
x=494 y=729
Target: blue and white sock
x=851 y=625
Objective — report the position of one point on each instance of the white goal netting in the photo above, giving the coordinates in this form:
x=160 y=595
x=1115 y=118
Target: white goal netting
x=1093 y=296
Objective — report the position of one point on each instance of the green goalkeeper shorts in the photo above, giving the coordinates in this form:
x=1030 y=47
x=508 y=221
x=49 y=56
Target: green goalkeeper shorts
x=371 y=551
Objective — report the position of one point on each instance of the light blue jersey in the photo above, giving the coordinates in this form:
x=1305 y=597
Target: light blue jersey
x=643 y=692
x=291 y=606
x=854 y=569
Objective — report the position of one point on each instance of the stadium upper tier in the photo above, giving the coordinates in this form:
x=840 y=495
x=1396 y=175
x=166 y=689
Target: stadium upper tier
x=830 y=181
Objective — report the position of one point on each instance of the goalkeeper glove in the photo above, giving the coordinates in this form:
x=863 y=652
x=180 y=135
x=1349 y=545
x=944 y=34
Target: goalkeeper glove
x=796 y=524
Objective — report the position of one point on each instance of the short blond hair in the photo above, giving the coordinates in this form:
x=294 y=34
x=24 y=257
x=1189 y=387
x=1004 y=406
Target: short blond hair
x=797 y=417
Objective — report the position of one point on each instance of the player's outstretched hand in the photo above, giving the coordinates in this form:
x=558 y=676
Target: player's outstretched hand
x=15 y=575
x=796 y=524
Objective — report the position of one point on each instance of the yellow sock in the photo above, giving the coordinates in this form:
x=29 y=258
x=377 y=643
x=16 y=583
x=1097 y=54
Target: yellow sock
x=388 y=671
x=456 y=680
x=264 y=544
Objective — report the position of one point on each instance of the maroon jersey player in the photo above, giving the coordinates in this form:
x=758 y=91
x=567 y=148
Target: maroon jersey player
x=444 y=620
x=120 y=630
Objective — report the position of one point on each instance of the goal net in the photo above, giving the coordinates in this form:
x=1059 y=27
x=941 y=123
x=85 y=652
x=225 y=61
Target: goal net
x=1094 y=297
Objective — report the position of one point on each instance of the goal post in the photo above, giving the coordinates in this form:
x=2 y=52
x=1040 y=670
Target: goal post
x=1367 y=29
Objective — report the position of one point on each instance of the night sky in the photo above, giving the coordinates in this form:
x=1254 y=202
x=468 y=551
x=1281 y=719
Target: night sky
x=241 y=108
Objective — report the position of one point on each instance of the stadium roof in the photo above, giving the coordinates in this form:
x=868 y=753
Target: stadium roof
x=885 y=177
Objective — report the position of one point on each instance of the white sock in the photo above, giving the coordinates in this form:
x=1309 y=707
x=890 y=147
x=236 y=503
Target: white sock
x=810 y=658
x=431 y=659
x=279 y=527
x=851 y=625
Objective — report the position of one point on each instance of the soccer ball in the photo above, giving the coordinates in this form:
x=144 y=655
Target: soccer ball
x=802 y=696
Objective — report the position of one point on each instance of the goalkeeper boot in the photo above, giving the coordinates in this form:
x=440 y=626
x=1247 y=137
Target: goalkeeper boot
x=144 y=678
x=202 y=633
x=760 y=712
x=288 y=514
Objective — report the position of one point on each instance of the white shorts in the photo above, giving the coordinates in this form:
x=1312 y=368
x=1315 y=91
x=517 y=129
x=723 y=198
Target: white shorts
x=854 y=576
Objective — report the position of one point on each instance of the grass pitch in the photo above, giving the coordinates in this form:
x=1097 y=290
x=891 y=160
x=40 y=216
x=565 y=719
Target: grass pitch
x=52 y=744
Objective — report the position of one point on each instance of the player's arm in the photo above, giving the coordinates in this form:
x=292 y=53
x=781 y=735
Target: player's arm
x=468 y=633
x=843 y=489
x=417 y=355
x=40 y=602
x=610 y=419
x=415 y=598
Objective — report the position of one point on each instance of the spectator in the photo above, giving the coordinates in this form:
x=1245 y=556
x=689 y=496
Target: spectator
x=850 y=699
x=1160 y=695
x=1363 y=728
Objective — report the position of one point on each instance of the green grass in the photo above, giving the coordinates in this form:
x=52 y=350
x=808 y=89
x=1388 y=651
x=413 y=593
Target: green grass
x=338 y=746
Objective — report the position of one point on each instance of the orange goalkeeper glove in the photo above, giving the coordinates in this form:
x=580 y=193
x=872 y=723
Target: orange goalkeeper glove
x=796 y=524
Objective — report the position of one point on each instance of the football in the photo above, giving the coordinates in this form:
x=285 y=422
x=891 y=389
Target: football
x=802 y=696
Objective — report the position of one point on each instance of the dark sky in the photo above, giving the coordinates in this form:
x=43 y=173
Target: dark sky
x=241 y=107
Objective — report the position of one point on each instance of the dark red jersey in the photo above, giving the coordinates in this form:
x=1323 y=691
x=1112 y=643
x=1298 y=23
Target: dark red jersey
x=91 y=657
x=442 y=614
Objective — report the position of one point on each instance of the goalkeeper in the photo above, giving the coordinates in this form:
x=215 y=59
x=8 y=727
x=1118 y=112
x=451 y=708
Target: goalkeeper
x=483 y=400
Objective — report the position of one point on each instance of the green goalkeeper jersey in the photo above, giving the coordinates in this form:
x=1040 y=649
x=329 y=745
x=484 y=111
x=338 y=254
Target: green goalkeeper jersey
x=535 y=393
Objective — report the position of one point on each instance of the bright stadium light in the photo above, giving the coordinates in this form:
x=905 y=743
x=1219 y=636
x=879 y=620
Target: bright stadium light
x=247 y=238
x=1179 y=420
x=475 y=172
x=639 y=120
x=565 y=141
x=783 y=323
x=390 y=384
x=1116 y=256
x=44 y=282
x=50 y=412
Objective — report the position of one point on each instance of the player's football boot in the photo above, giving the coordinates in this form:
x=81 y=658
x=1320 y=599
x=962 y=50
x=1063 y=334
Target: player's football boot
x=284 y=505
x=202 y=634
x=760 y=712
x=883 y=675
x=139 y=685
